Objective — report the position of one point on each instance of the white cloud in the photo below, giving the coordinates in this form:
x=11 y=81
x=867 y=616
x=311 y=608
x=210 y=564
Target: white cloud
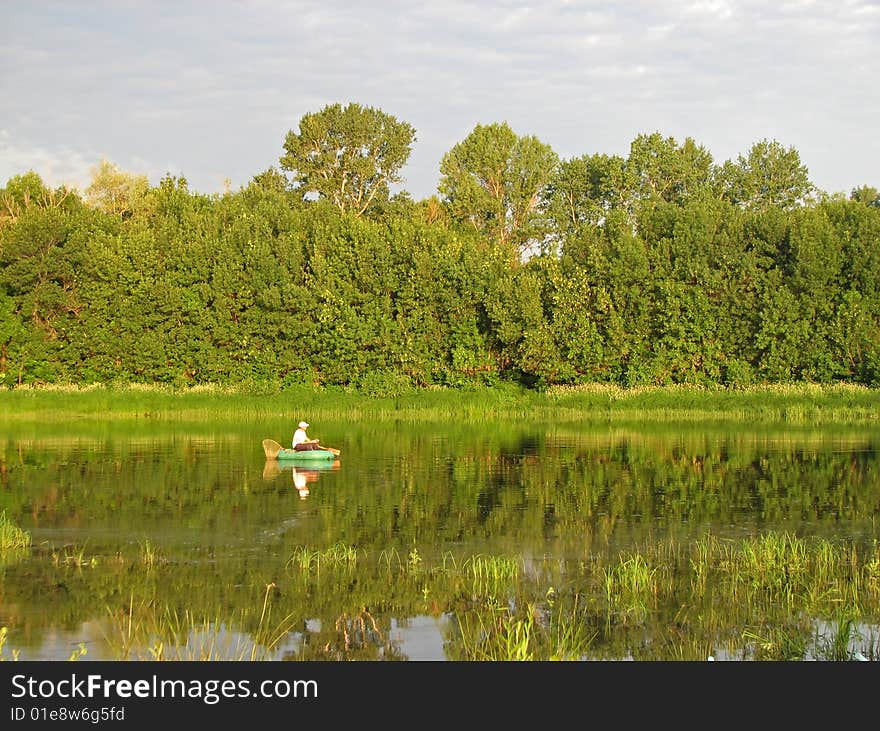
x=59 y=166
x=210 y=89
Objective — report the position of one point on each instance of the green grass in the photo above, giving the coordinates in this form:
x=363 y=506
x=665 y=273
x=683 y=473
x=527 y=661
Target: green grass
x=146 y=632
x=308 y=562
x=770 y=597
x=801 y=404
x=12 y=538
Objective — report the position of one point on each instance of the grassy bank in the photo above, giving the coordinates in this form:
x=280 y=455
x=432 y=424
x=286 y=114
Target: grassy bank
x=803 y=404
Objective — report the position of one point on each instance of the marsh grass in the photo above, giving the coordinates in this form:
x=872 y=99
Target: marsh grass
x=496 y=631
x=491 y=575
x=776 y=643
x=12 y=538
x=631 y=587
x=73 y=556
x=793 y=404
x=804 y=403
x=151 y=557
x=769 y=597
x=4 y=637
x=145 y=633
x=307 y=562
x=775 y=563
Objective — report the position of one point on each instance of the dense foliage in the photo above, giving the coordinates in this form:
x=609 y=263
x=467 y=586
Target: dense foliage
x=661 y=267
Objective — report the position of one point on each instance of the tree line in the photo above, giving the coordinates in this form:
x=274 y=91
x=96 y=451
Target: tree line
x=659 y=267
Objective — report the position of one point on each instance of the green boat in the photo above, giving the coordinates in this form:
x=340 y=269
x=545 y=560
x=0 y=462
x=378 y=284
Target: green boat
x=308 y=455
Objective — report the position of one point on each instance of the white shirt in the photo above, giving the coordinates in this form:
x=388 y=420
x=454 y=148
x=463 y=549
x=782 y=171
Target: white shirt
x=300 y=436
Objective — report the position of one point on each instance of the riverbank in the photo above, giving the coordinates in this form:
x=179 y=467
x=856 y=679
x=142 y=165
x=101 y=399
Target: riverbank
x=801 y=404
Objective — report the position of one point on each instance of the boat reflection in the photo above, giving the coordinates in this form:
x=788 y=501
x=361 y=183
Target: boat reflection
x=301 y=476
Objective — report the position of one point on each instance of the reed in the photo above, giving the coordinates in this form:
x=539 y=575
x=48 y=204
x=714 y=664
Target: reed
x=151 y=557
x=73 y=556
x=4 y=637
x=776 y=643
x=494 y=633
x=631 y=586
x=166 y=634
x=306 y=561
x=797 y=404
x=770 y=597
x=12 y=538
x=775 y=563
x=491 y=575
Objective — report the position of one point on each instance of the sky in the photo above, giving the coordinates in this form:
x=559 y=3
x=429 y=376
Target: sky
x=209 y=89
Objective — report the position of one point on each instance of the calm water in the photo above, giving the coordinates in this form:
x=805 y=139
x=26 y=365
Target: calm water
x=187 y=534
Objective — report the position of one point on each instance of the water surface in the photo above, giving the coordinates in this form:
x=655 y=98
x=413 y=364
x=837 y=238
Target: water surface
x=138 y=529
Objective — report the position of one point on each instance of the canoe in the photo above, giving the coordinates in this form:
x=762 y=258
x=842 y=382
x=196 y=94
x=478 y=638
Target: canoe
x=308 y=455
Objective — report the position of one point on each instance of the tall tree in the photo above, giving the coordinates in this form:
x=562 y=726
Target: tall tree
x=115 y=191
x=661 y=169
x=497 y=182
x=770 y=176
x=28 y=191
x=584 y=190
x=866 y=194
x=348 y=155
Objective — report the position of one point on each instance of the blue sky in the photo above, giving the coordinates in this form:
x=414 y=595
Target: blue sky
x=209 y=90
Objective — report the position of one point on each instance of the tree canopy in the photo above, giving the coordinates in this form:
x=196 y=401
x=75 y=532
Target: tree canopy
x=348 y=155
x=496 y=181
x=658 y=267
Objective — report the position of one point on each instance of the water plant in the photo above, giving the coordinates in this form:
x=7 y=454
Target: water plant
x=12 y=538
x=146 y=632
x=4 y=635
x=491 y=575
x=796 y=404
x=150 y=555
x=307 y=560
x=630 y=587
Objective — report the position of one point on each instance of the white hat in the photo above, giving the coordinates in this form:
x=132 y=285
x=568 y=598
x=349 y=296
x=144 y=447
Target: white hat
x=303 y=425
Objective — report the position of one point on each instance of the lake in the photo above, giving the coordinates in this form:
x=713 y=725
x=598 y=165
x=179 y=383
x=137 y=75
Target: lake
x=442 y=541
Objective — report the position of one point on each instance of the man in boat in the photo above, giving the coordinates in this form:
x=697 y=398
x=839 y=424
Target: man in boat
x=301 y=441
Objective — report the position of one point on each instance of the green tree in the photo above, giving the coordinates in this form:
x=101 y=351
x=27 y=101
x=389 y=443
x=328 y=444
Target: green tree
x=115 y=191
x=584 y=189
x=660 y=169
x=770 y=176
x=348 y=155
x=497 y=182
x=26 y=191
x=866 y=194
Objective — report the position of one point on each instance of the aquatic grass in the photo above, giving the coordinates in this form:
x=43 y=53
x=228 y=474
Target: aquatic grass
x=776 y=643
x=668 y=599
x=872 y=570
x=567 y=629
x=494 y=633
x=308 y=561
x=389 y=556
x=4 y=637
x=497 y=631
x=358 y=632
x=840 y=642
x=706 y=551
x=12 y=538
x=74 y=556
x=773 y=566
x=792 y=404
x=631 y=586
x=145 y=632
x=789 y=403
x=150 y=555
x=491 y=575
